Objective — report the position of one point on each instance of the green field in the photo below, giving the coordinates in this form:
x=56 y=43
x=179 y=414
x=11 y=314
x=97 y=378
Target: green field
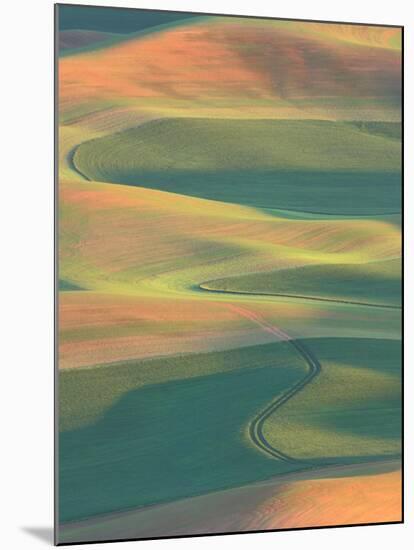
x=352 y=409
x=88 y=393
x=165 y=418
x=317 y=166
x=377 y=283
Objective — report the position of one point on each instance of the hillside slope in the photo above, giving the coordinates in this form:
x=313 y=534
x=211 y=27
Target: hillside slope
x=274 y=66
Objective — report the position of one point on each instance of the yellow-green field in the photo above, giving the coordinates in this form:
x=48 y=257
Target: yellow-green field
x=229 y=273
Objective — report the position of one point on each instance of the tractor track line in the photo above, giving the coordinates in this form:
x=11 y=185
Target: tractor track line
x=297 y=296
x=256 y=426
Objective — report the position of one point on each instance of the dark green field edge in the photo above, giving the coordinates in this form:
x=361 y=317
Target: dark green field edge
x=70 y=159
x=117 y=40
x=391 y=130
x=323 y=215
x=111 y=19
x=376 y=284
x=89 y=44
x=66 y=286
x=205 y=288
x=133 y=27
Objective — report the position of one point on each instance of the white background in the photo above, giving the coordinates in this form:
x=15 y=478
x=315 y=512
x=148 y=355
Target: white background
x=26 y=271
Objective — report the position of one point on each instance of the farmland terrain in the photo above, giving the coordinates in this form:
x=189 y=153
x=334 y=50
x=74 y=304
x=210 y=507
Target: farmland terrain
x=229 y=274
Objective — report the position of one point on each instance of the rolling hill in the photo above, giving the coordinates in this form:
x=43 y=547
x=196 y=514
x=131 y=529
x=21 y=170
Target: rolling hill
x=229 y=273
x=213 y=63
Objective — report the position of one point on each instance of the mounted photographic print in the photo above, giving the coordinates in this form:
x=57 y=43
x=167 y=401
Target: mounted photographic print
x=228 y=227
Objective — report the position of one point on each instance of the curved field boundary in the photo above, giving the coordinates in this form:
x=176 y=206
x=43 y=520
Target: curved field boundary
x=71 y=162
x=72 y=153
x=299 y=297
x=256 y=426
x=329 y=215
